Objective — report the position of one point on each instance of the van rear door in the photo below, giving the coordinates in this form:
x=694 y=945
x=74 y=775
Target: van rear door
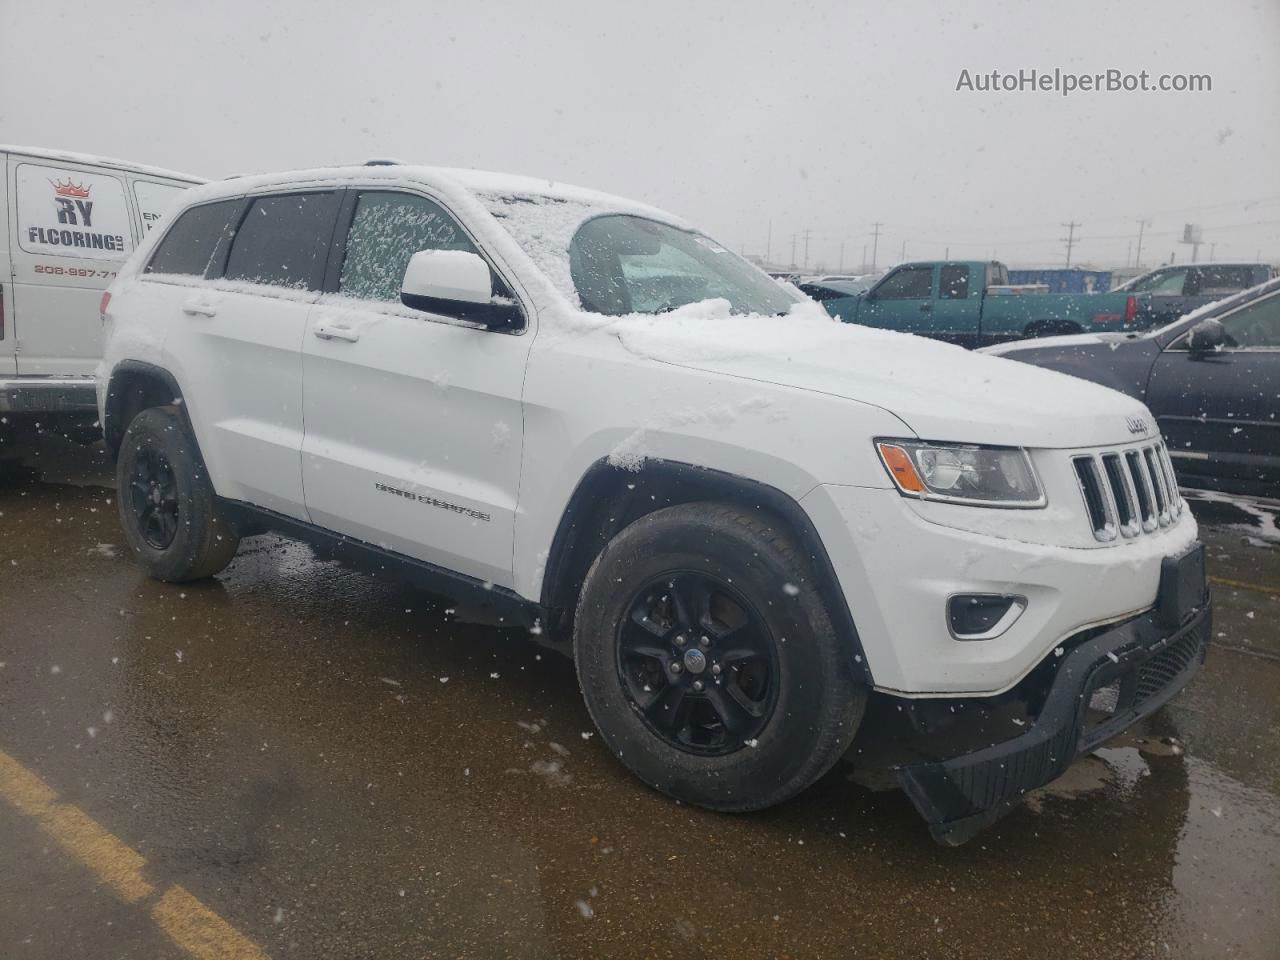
x=70 y=229
x=8 y=360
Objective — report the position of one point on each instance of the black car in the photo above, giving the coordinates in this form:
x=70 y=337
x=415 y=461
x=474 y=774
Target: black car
x=1212 y=379
x=1177 y=290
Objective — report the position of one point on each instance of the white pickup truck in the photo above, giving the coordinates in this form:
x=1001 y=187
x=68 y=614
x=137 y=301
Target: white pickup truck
x=749 y=518
x=69 y=221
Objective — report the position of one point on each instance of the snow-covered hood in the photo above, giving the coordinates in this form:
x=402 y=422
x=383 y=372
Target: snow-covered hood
x=942 y=392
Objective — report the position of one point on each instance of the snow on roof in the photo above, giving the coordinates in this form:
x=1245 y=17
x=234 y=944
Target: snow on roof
x=68 y=156
x=471 y=181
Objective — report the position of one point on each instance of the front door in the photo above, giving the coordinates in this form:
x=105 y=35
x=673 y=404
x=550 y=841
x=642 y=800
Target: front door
x=902 y=301
x=1220 y=412
x=414 y=420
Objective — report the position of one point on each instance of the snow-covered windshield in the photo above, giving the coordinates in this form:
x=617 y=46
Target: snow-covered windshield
x=623 y=264
x=616 y=263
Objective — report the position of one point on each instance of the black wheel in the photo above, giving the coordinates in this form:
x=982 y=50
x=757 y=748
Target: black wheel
x=171 y=517
x=708 y=661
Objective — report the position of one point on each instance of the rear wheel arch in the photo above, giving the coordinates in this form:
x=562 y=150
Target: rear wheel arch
x=608 y=499
x=136 y=386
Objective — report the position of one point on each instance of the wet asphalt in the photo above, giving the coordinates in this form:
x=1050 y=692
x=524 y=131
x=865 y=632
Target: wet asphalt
x=339 y=766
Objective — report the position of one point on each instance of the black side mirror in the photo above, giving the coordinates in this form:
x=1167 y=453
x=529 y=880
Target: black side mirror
x=1206 y=337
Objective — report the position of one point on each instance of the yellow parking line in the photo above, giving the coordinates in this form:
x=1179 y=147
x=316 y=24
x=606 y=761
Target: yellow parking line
x=118 y=866
x=182 y=917
x=1242 y=585
x=200 y=931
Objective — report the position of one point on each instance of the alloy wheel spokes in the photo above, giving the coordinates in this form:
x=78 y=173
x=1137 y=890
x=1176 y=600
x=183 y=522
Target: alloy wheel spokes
x=154 y=498
x=692 y=687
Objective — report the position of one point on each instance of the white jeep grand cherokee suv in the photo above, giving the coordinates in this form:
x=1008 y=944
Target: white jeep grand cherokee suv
x=749 y=518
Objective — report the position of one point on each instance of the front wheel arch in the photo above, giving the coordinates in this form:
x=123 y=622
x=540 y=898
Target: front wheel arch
x=607 y=499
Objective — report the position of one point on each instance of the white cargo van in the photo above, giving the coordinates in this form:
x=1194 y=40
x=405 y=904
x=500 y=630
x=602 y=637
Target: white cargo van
x=69 y=223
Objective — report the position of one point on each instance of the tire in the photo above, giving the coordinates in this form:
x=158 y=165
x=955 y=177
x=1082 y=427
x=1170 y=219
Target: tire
x=810 y=707
x=185 y=535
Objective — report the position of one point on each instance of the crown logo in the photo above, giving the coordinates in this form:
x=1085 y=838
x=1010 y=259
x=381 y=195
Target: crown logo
x=69 y=189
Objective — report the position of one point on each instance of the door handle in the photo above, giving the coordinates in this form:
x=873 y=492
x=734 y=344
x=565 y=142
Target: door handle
x=335 y=331
x=199 y=307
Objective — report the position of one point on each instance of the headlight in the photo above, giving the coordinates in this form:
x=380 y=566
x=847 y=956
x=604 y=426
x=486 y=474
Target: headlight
x=961 y=473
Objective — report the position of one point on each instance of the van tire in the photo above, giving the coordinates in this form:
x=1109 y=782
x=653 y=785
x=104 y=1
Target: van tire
x=184 y=535
x=817 y=703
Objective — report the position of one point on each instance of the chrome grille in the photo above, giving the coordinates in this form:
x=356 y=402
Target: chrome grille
x=1128 y=492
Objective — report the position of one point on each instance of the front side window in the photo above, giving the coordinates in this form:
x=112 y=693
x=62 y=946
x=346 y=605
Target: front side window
x=627 y=264
x=387 y=229
x=909 y=283
x=1255 y=327
x=283 y=239
x=191 y=243
x=953 y=283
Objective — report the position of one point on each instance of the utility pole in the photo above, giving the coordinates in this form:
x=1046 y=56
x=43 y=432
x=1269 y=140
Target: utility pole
x=768 y=244
x=902 y=257
x=841 y=270
x=1070 y=238
x=1137 y=261
x=1128 y=254
x=947 y=255
x=875 y=243
x=1211 y=248
x=793 y=251
x=806 y=247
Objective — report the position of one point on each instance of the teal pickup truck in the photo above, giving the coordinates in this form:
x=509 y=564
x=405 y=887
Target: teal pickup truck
x=972 y=303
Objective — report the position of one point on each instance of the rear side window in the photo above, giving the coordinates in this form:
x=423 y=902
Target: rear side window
x=283 y=239
x=190 y=245
x=953 y=284
x=909 y=283
x=1218 y=281
x=388 y=229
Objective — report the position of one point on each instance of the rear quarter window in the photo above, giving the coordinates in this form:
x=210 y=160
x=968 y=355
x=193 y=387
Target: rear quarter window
x=192 y=242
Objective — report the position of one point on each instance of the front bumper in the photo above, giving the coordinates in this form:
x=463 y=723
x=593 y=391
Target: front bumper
x=1141 y=663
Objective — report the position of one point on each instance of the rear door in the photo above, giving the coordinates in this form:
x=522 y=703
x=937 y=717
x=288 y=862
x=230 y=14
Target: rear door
x=414 y=420
x=236 y=340
x=70 y=229
x=8 y=360
x=1220 y=412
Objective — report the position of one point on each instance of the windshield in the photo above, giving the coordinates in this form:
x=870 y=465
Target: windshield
x=626 y=264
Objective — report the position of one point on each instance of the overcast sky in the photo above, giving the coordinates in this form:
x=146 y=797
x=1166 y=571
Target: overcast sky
x=823 y=116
